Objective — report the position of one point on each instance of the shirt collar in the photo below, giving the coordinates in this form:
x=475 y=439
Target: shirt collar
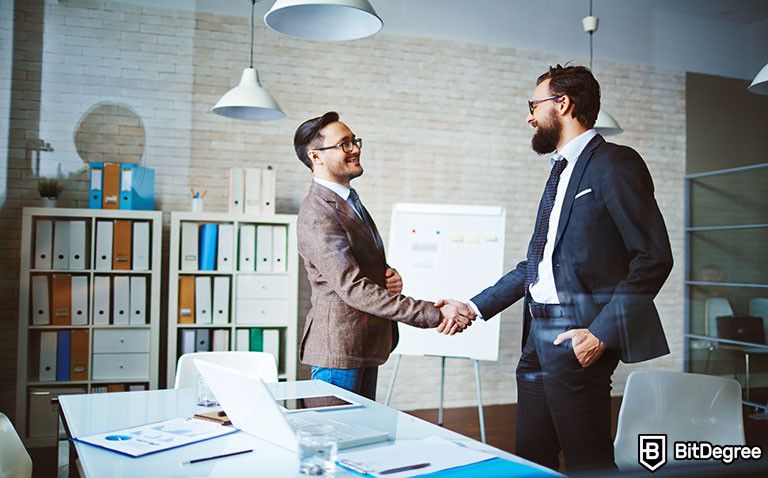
x=573 y=149
x=342 y=191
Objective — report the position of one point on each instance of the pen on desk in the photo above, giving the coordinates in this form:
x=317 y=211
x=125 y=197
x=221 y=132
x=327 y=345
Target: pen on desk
x=404 y=468
x=198 y=460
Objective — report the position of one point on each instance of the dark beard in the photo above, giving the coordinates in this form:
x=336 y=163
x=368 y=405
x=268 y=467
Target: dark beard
x=546 y=137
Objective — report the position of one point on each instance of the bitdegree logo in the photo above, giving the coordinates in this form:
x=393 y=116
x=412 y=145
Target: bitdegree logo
x=704 y=450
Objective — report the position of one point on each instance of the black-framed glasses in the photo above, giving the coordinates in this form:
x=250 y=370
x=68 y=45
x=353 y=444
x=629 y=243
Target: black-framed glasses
x=535 y=101
x=346 y=146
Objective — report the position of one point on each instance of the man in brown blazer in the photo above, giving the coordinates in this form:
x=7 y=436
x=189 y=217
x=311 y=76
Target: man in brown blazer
x=356 y=301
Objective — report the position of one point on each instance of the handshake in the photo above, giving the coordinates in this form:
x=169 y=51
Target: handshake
x=456 y=316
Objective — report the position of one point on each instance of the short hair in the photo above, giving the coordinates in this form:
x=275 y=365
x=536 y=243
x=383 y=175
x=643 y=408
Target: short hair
x=578 y=83
x=308 y=134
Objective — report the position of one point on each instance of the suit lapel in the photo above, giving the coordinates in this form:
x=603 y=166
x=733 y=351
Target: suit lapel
x=345 y=209
x=573 y=185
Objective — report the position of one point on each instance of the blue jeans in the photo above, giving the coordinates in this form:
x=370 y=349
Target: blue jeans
x=361 y=381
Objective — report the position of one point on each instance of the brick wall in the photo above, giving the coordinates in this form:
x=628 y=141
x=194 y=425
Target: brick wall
x=443 y=122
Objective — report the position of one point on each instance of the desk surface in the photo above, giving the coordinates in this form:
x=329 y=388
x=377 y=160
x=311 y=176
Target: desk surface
x=98 y=413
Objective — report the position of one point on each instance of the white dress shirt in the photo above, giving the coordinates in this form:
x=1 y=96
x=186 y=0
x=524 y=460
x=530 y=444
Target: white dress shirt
x=342 y=191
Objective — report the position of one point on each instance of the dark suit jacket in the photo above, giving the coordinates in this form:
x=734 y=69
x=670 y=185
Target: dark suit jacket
x=611 y=254
x=352 y=320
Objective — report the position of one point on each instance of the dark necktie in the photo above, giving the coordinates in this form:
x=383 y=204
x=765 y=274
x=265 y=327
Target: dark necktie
x=542 y=226
x=357 y=205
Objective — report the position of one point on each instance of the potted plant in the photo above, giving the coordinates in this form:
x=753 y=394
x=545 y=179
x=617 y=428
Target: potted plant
x=49 y=190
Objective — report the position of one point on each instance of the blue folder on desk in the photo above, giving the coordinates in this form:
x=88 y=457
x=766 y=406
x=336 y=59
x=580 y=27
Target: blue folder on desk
x=493 y=468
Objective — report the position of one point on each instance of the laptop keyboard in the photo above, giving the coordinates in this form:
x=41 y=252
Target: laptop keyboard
x=300 y=424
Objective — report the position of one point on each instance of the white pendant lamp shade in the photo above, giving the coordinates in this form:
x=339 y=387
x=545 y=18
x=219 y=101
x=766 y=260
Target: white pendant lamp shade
x=248 y=101
x=760 y=83
x=324 y=20
x=606 y=125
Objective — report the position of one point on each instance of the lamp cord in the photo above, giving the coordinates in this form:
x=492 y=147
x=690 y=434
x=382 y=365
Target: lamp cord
x=253 y=6
x=590 y=38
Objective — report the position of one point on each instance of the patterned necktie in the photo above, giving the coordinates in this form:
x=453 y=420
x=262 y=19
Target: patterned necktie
x=542 y=226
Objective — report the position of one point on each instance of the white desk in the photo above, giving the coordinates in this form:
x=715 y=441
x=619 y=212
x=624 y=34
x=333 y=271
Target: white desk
x=98 y=413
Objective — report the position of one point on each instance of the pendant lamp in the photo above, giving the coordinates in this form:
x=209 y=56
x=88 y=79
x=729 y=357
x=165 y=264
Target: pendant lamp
x=760 y=83
x=605 y=124
x=324 y=20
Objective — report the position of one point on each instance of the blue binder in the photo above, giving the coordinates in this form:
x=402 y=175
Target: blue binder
x=63 y=342
x=97 y=185
x=207 y=254
x=137 y=187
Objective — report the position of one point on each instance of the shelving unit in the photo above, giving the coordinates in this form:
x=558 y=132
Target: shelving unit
x=268 y=299
x=115 y=355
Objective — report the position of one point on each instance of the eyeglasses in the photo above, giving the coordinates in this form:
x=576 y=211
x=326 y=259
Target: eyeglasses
x=534 y=101
x=346 y=146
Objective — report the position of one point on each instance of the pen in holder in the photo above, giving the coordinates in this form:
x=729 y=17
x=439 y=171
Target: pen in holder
x=197 y=200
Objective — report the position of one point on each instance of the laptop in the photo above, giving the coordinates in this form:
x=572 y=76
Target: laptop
x=743 y=328
x=250 y=406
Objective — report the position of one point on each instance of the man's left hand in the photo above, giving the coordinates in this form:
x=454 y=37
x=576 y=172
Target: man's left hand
x=586 y=346
x=394 y=281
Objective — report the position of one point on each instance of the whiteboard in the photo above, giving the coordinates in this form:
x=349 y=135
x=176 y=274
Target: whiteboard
x=453 y=252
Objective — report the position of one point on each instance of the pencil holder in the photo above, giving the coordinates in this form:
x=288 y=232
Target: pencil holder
x=197 y=204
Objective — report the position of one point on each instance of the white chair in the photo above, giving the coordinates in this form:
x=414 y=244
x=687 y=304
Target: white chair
x=14 y=459
x=261 y=364
x=684 y=406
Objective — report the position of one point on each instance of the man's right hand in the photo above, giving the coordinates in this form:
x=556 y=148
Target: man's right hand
x=456 y=316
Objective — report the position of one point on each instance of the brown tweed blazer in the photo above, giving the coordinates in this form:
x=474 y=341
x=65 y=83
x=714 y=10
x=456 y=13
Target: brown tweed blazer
x=352 y=320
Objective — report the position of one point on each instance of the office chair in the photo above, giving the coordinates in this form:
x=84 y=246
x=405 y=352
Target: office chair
x=261 y=364
x=714 y=307
x=759 y=308
x=684 y=406
x=14 y=459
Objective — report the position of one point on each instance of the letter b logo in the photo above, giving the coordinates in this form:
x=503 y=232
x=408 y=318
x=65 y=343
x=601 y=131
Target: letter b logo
x=652 y=451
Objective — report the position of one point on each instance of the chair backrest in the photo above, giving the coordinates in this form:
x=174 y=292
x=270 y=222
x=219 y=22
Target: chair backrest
x=14 y=459
x=715 y=307
x=684 y=406
x=759 y=308
x=260 y=364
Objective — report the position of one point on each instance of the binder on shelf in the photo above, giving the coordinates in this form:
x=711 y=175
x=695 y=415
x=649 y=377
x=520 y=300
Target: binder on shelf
x=137 y=187
x=140 y=246
x=253 y=191
x=186 y=300
x=79 y=355
x=264 y=248
x=187 y=341
x=101 y=300
x=63 y=351
x=220 y=300
x=220 y=340
x=40 y=310
x=121 y=286
x=202 y=340
x=203 y=300
x=77 y=240
x=43 y=244
x=224 y=256
x=236 y=187
x=138 y=309
x=111 y=186
x=247 y=247
x=104 y=239
x=208 y=237
x=279 y=248
x=94 y=196
x=61 y=245
x=272 y=343
x=61 y=299
x=48 y=342
x=189 y=246
x=268 y=191
x=79 y=293
x=256 y=343
x=242 y=340
x=121 y=246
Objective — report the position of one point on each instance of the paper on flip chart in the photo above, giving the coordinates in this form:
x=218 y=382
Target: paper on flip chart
x=439 y=453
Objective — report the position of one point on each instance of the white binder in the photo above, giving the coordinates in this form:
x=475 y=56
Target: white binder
x=79 y=300
x=220 y=340
x=236 y=186
x=268 y=191
x=272 y=343
x=279 y=248
x=140 y=244
x=202 y=340
x=48 y=356
x=224 y=256
x=187 y=341
x=138 y=301
x=61 y=245
x=203 y=300
x=104 y=234
x=41 y=314
x=220 y=300
x=43 y=244
x=247 y=247
x=264 y=248
x=101 y=295
x=77 y=245
x=189 y=246
x=243 y=340
x=120 y=308
x=253 y=191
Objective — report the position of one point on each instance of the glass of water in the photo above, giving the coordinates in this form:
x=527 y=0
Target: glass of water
x=317 y=451
x=205 y=396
